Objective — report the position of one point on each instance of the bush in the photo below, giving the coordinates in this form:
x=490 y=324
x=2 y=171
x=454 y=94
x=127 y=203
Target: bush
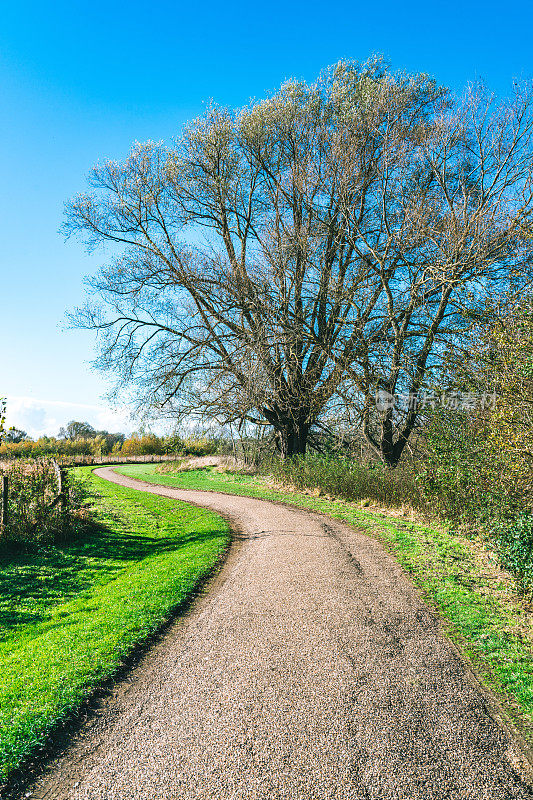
x=45 y=446
x=514 y=539
x=199 y=447
x=145 y=444
x=34 y=515
x=348 y=479
x=458 y=474
x=465 y=475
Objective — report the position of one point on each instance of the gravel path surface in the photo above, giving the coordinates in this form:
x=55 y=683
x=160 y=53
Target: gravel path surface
x=311 y=670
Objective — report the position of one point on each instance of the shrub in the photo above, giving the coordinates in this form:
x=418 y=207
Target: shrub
x=457 y=473
x=514 y=539
x=464 y=475
x=145 y=444
x=349 y=479
x=199 y=447
x=34 y=514
x=169 y=466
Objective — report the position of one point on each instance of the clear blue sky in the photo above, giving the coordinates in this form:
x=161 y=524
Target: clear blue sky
x=82 y=81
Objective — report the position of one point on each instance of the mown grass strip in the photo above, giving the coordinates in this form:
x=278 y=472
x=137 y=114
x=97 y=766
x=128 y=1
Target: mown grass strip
x=479 y=604
x=71 y=613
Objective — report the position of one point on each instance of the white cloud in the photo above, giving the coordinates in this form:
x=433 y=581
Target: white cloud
x=45 y=417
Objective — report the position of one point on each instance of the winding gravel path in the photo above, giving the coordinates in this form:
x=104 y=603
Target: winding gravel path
x=311 y=670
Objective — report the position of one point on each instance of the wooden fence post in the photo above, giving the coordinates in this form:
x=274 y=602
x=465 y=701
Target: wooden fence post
x=63 y=483
x=62 y=492
x=59 y=476
x=4 y=511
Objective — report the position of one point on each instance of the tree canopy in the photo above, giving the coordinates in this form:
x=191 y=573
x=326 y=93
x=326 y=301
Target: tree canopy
x=77 y=430
x=297 y=256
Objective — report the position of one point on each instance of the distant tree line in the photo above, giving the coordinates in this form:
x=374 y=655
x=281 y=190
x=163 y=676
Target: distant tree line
x=82 y=439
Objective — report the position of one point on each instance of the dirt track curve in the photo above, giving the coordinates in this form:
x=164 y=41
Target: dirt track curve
x=311 y=670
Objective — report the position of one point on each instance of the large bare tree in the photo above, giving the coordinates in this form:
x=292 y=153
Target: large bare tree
x=311 y=249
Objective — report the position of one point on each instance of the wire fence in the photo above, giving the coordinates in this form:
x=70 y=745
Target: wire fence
x=90 y=460
x=79 y=461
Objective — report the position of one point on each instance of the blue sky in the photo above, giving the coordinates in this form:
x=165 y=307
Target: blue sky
x=81 y=81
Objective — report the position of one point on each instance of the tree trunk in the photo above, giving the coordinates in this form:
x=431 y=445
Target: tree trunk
x=292 y=439
x=391 y=458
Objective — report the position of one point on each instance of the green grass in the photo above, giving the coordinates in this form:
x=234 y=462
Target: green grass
x=70 y=614
x=457 y=577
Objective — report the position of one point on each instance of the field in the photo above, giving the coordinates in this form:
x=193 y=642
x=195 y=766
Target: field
x=72 y=613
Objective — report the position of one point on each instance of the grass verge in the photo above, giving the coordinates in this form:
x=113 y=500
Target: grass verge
x=70 y=614
x=477 y=601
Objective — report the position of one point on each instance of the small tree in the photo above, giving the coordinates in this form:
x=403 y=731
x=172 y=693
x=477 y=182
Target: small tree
x=309 y=251
x=77 y=430
x=15 y=435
